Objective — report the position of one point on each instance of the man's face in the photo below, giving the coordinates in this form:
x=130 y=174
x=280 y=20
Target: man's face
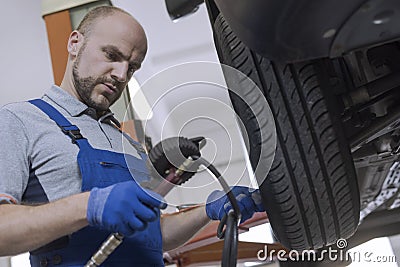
x=107 y=59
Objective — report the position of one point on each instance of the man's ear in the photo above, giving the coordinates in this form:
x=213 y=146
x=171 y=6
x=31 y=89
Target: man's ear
x=75 y=41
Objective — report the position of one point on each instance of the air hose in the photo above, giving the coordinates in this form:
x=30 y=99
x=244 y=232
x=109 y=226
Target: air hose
x=231 y=221
x=163 y=161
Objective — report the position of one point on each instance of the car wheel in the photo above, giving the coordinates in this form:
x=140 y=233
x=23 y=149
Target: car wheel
x=310 y=194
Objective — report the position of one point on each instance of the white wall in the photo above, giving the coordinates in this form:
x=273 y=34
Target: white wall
x=4 y=262
x=25 y=65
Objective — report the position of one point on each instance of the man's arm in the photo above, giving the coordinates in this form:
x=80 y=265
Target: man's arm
x=178 y=228
x=24 y=228
x=123 y=207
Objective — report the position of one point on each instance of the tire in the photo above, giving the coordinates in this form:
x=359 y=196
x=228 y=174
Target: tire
x=311 y=193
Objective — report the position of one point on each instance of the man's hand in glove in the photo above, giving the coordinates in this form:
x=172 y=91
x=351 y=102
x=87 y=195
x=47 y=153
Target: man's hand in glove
x=248 y=199
x=124 y=207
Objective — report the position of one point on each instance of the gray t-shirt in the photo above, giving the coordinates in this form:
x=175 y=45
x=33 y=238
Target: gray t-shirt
x=34 y=147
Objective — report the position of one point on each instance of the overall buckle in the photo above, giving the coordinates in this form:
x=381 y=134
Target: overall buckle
x=74 y=134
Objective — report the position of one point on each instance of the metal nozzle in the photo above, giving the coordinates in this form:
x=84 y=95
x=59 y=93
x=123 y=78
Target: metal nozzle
x=108 y=246
x=185 y=165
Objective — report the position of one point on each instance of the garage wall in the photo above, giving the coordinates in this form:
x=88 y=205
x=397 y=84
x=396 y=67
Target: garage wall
x=25 y=64
x=4 y=262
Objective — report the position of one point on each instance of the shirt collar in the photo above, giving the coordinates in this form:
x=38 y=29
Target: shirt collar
x=66 y=101
x=74 y=107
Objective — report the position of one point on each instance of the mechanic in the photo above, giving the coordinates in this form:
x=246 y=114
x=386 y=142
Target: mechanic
x=64 y=178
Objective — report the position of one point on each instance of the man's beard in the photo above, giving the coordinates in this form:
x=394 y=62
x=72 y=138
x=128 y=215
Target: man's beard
x=85 y=85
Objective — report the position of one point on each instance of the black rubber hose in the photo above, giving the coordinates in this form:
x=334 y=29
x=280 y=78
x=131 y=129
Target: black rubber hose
x=221 y=180
x=230 y=221
x=229 y=254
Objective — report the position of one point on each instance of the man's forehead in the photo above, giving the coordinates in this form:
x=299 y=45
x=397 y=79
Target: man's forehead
x=117 y=21
x=122 y=32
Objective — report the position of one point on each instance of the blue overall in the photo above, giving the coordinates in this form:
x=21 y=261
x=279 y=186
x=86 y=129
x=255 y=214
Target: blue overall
x=100 y=168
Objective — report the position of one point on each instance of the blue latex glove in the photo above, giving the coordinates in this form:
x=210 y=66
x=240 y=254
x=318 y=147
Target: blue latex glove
x=124 y=207
x=248 y=199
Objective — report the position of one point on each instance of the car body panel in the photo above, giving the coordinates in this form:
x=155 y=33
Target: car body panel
x=297 y=30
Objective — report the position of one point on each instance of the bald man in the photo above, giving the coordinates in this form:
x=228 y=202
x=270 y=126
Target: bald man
x=65 y=184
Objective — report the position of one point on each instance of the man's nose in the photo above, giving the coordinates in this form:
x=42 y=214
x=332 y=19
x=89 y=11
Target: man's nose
x=120 y=71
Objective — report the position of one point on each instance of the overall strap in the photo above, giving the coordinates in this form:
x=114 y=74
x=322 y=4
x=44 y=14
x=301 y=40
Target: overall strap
x=66 y=127
x=136 y=145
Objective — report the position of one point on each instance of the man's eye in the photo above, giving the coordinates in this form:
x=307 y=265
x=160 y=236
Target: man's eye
x=110 y=56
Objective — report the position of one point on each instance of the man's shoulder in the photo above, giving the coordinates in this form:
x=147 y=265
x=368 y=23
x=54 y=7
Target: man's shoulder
x=22 y=109
x=19 y=106
x=15 y=105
